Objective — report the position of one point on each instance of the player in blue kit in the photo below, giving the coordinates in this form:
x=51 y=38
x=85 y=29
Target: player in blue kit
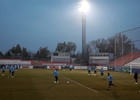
x=3 y=70
x=55 y=75
x=13 y=71
x=16 y=67
x=7 y=67
x=109 y=77
x=53 y=66
x=89 y=70
x=19 y=66
x=63 y=67
x=102 y=72
x=71 y=67
x=95 y=70
x=10 y=70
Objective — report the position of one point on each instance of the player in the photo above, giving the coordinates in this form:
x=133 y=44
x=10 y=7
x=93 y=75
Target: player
x=19 y=66
x=63 y=67
x=136 y=77
x=16 y=67
x=53 y=66
x=89 y=70
x=3 y=70
x=71 y=67
x=102 y=72
x=7 y=67
x=55 y=75
x=95 y=70
x=13 y=71
x=10 y=70
x=109 y=77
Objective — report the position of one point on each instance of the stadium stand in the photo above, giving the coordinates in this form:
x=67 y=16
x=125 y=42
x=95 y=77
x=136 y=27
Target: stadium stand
x=135 y=62
x=60 y=57
x=32 y=62
x=16 y=61
x=100 y=58
x=10 y=61
x=125 y=59
x=57 y=58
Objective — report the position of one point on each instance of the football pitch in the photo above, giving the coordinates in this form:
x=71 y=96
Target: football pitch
x=38 y=84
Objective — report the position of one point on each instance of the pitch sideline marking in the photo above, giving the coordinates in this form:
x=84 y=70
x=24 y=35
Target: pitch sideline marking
x=80 y=84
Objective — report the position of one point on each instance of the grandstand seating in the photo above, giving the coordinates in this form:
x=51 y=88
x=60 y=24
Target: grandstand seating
x=55 y=63
x=10 y=61
x=32 y=62
x=15 y=61
x=135 y=62
x=100 y=58
x=125 y=59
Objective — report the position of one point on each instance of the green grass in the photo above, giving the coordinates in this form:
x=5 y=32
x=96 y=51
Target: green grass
x=38 y=84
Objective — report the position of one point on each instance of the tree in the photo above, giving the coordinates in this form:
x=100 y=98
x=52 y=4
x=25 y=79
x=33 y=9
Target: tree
x=13 y=51
x=24 y=52
x=99 y=45
x=61 y=47
x=16 y=51
x=66 y=47
x=8 y=54
x=43 y=53
x=1 y=54
x=109 y=45
x=122 y=45
x=31 y=55
x=71 y=47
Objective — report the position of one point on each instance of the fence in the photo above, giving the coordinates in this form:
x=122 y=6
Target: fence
x=126 y=42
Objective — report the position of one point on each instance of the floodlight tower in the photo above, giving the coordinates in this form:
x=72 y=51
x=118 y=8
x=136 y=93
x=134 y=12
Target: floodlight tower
x=83 y=7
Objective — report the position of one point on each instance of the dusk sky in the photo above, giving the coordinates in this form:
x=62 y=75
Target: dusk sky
x=40 y=23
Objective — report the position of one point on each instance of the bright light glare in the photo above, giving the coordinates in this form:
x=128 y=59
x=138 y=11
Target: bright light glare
x=83 y=6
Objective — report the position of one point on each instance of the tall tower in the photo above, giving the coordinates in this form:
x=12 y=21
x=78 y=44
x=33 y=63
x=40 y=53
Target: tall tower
x=83 y=35
x=83 y=7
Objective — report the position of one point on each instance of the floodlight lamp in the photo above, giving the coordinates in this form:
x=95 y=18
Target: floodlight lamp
x=83 y=6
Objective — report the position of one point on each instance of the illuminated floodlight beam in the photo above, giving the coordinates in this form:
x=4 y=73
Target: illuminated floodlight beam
x=83 y=6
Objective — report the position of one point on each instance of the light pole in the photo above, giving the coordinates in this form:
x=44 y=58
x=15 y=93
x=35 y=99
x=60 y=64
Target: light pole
x=83 y=7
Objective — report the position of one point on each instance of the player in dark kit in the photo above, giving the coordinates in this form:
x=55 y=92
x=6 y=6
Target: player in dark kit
x=136 y=77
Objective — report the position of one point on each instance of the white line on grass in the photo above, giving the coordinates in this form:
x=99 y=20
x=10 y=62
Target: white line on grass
x=80 y=84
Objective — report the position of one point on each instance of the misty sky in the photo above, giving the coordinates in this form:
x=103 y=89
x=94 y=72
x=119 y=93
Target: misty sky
x=40 y=23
